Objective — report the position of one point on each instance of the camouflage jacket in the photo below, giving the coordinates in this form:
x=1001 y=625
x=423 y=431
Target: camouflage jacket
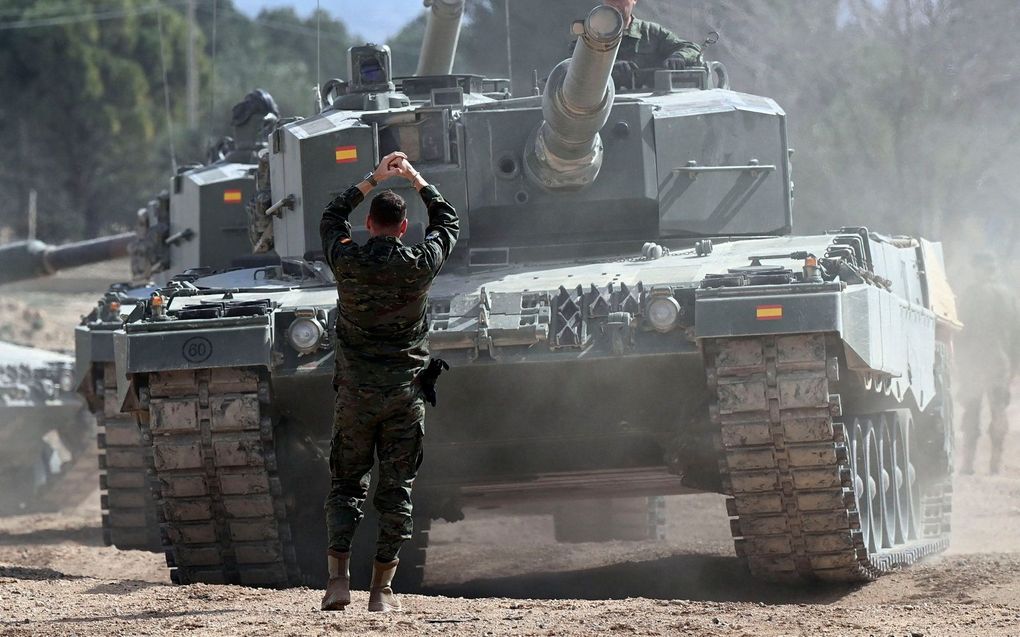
x=990 y=339
x=383 y=292
x=649 y=44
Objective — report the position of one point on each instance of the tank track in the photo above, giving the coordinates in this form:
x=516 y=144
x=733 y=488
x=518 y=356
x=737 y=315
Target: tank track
x=130 y=521
x=785 y=463
x=223 y=517
x=413 y=556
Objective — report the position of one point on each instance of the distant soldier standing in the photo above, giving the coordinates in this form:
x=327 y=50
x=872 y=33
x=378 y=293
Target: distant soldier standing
x=380 y=373
x=987 y=353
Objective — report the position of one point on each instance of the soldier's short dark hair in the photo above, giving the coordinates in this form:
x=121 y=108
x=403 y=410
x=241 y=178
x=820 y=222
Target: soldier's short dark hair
x=388 y=209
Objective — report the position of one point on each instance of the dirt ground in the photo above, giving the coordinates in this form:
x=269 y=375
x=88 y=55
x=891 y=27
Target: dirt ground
x=43 y=313
x=499 y=574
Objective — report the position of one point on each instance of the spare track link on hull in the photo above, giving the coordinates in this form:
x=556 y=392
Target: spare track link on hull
x=786 y=465
x=223 y=516
x=130 y=521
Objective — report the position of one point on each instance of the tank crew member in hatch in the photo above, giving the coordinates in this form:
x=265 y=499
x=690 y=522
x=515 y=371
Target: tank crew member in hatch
x=648 y=45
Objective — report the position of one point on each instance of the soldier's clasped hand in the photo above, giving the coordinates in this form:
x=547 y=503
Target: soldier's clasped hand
x=406 y=170
x=389 y=166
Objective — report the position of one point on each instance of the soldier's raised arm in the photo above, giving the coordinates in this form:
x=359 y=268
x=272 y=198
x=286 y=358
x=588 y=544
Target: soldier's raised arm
x=444 y=226
x=335 y=227
x=677 y=52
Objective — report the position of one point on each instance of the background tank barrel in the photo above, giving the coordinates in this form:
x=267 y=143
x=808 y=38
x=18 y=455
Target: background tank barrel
x=23 y=260
x=566 y=150
x=442 y=30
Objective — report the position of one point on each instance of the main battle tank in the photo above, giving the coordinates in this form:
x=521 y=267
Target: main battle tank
x=44 y=426
x=627 y=314
x=201 y=224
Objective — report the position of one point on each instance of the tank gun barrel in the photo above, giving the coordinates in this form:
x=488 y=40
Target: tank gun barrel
x=566 y=150
x=23 y=260
x=442 y=30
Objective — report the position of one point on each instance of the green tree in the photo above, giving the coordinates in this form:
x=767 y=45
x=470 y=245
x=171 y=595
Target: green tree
x=903 y=113
x=82 y=82
x=277 y=51
x=481 y=48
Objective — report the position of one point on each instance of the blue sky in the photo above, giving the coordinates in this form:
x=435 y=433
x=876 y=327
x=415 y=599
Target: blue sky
x=375 y=20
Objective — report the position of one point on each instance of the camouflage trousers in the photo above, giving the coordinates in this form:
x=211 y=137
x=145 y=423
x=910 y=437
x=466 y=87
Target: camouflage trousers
x=384 y=421
x=998 y=424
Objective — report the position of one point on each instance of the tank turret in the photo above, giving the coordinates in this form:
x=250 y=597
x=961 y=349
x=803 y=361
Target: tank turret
x=208 y=220
x=442 y=30
x=566 y=150
x=23 y=260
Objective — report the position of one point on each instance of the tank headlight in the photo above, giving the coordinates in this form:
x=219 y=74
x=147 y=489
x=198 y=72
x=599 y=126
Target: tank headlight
x=304 y=335
x=663 y=312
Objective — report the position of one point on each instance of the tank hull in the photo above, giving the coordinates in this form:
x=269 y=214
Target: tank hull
x=44 y=427
x=594 y=405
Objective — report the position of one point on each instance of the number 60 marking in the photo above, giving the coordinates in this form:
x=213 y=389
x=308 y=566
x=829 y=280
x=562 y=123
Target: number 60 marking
x=197 y=349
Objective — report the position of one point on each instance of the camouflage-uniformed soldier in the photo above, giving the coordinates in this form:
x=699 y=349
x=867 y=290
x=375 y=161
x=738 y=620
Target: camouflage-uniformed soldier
x=987 y=353
x=381 y=349
x=648 y=45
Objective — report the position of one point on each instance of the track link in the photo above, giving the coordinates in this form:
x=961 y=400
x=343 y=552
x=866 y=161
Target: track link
x=786 y=466
x=224 y=520
x=130 y=520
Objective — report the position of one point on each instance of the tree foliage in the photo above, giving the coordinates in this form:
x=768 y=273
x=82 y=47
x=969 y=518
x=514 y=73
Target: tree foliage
x=901 y=111
x=277 y=51
x=81 y=108
x=84 y=110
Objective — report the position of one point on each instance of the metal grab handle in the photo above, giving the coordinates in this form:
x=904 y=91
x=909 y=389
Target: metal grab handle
x=720 y=76
x=286 y=202
x=692 y=169
x=179 y=237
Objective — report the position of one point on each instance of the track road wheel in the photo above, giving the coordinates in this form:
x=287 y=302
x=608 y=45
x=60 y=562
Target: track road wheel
x=862 y=482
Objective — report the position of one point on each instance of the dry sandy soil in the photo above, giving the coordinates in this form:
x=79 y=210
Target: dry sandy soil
x=495 y=574
x=498 y=575
x=43 y=313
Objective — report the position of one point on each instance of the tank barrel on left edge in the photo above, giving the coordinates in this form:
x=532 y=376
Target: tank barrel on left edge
x=566 y=151
x=24 y=260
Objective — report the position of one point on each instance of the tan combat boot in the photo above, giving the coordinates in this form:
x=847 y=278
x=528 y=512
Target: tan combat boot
x=381 y=598
x=338 y=589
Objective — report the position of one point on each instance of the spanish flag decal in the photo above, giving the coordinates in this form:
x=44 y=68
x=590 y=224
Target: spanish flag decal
x=231 y=196
x=346 y=154
x=768 y=312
